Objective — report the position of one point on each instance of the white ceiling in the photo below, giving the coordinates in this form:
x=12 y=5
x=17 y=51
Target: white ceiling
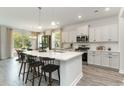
x=27 y=17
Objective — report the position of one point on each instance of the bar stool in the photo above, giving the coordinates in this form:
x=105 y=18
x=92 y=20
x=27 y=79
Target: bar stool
x=49 y=67
x=33 y=64
x=18 y=53
x=23 y=64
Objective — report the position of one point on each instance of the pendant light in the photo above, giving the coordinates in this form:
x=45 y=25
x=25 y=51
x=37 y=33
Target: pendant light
x=39 y=27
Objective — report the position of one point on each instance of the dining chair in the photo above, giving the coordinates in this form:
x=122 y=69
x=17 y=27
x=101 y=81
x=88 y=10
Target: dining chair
x=49 y=67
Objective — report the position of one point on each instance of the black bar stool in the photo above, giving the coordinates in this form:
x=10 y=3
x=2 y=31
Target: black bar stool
x=33 y=64
x=49 y=67
x=18 y=53
x=23 y=64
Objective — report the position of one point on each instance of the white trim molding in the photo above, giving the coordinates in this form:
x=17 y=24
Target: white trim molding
x=74 y=83
x=121 y=71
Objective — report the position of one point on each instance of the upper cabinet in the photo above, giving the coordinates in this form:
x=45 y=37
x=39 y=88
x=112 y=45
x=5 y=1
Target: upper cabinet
x=65 y=36
x=83 y=30
x=104 y=33
x=71 y=34
x=113 y=32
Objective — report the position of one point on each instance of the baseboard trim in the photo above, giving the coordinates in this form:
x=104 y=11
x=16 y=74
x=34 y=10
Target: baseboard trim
x=74 y=83
x=121 y=71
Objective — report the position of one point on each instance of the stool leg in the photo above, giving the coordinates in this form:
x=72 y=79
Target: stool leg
x=50 y=77
x=34 y=71
x=27 y=74
x=24 y=71
x=40 y=78
x=38 y=70
x=45 y=76
x=20 y=69
x=59 y=75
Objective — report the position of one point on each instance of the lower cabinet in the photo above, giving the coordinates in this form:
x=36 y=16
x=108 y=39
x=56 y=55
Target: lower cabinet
x=106 y=59
x=94 y=58
x=91 y=58
x=97 y=58
x=114 y=61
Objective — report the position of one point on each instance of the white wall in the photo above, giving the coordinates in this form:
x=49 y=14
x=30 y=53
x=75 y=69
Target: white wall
x=5 y=42
x=121 y=40
x=95 y=23
x=34 y=43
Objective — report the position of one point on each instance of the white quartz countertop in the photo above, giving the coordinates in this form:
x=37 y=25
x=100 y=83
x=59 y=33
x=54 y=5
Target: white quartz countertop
x=59 y=55
x=104 y=51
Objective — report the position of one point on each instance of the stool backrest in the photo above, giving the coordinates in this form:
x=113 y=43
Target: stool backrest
x=22 y=56
x=18 y=53
x=31 y=59
x=47 y=60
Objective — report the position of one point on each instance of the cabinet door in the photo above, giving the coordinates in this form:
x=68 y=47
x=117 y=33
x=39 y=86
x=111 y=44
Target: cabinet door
x=113 y=32
x=97 y=59
x=72 y=36
x=90 y=58
x=98 y=34
x=114 y=63
x=91 y=34
x=83 y=30
x=65 y=36
x=105 y=33
x=105 y=60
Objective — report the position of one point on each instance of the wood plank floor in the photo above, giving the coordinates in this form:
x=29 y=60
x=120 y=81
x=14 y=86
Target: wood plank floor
x=100 y=76
x=9 y=70
x=93 y=76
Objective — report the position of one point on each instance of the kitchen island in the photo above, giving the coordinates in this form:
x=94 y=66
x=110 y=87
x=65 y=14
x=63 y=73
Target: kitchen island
x=70 y=65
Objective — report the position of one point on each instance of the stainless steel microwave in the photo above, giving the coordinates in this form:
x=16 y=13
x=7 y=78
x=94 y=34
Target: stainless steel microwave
x=82 y=39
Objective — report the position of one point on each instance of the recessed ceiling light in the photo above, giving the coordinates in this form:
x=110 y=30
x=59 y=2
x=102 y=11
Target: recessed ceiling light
x=39 y=27
x=53 y=23
x=79 y=17
x=107 y=9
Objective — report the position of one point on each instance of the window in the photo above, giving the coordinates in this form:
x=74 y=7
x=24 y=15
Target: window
x=56 y=39
x=21 y=40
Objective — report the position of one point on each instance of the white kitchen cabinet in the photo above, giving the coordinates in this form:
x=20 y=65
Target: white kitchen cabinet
x=105 y=60
x=72 y=36
x=94 y=58
x=65 y=36
x=110 y=60
x=83 y=30
x=97 y=58
x=92 y=35
x=98 y=34
x=102 y=58
x=91 y=57
x=113 y=32
x=103 y=33
x=114 y=61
